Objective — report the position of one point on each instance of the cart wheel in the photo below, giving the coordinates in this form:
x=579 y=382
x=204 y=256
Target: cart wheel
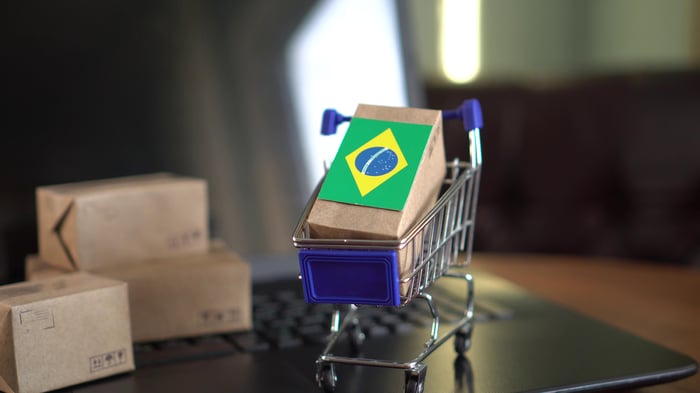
x=462 y=343
x=327 y=378
x=415 y=379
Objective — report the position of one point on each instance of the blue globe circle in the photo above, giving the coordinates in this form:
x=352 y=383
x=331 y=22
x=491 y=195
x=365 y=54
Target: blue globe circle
x=376 y=161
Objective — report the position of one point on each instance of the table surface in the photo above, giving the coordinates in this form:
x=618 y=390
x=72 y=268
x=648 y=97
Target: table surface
x=658 y=302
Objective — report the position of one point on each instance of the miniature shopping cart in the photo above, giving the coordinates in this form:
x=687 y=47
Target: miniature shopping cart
x=432 y=246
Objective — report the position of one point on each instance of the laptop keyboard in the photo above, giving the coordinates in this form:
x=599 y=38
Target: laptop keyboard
x=282 y=320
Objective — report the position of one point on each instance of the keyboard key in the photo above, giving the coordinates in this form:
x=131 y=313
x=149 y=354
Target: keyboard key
x=260 y=298
x=282 y=323
x=282 y=338
x=322 y=308
x=314 y=319
x=314 y=334
x=313 y=329
x=288 y=341
x=249 y=341
x=316 y=338
x=266 y=314
x=295 y=312
x=389 y=319
x=286 y=295
x=173 y=351
x=377 y=331
x=403 y=328
x=367 y=323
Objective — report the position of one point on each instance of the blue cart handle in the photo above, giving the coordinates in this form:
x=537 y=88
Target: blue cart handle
x=469 y=112
x=331 y=120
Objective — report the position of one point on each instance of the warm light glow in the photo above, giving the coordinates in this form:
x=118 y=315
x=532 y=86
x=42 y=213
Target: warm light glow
x=460 y=39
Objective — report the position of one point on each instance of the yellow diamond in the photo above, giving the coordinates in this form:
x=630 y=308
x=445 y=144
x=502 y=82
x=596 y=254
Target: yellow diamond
x=375 y=162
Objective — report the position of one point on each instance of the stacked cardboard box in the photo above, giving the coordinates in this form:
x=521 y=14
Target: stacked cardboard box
x=106 y=223
x=150 y=232
x=178 y=297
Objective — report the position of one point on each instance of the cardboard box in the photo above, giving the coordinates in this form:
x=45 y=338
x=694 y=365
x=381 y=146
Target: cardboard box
x=63 y=331
x=179 y=297
x=187 y=296
x=343 y=219
x=95 y=224
x=333 y=219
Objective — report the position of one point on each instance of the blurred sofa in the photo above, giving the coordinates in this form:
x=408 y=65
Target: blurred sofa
x=600 y=166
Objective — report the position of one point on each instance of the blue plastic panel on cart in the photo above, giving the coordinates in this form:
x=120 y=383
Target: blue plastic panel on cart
x=350 y=276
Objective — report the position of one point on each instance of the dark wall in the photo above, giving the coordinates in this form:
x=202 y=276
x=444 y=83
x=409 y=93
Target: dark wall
x=103 y=89
x=599 y=166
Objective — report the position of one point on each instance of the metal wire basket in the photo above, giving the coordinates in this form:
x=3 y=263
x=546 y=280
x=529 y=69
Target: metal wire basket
x=431 y=246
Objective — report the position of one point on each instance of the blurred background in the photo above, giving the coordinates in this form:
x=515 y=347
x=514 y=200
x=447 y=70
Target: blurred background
x=591 y=108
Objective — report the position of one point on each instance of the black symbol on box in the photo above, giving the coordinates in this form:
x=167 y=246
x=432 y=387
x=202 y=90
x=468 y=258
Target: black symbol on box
x=184 y=239
x=107 y=360
x=96 y=363
x=213 y=317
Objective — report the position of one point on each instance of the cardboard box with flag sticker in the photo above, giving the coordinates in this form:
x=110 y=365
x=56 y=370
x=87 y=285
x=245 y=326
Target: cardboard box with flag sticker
x=386 y=175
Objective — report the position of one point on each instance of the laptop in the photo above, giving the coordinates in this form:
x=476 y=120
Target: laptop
x=520 y=343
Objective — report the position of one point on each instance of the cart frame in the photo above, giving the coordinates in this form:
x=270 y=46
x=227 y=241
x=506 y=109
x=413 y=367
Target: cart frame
x=432 y=244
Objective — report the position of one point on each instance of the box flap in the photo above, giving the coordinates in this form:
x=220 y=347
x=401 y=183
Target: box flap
x=52 y=213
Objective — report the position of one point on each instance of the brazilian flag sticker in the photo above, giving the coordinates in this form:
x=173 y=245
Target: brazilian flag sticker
x=376 y=163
